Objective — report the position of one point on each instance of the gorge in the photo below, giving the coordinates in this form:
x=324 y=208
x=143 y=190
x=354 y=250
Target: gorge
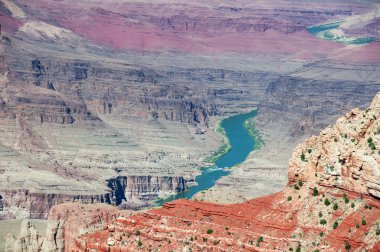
x=119 y=102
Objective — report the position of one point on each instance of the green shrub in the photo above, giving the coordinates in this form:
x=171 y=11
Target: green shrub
x=327 y=202
x=323 y=222
x=139 y=243
x=296 y=187
x=320 y=214
x=346 y=200
x=364 y=222
x=204 y=239
x=347 y=246
x=335 y=207
x=259 y=240
x=371 y=144
x=303 y=157
x=289 y=198
x=321 y=234
x=300 y=183
x=309 y=151
x=298 y=249
x=209 y=231
x=315 y=191
x=357 y=226
x=137 y=232
x=335 y=225
x=352 y=205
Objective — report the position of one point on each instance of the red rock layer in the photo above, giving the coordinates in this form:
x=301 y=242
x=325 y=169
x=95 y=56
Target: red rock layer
x=281 y=222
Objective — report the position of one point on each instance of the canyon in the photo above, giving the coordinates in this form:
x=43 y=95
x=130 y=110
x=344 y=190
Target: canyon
x=321 y=209
x=118 y=102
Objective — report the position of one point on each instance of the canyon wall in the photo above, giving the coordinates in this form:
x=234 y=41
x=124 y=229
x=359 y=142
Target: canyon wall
x=125 y=192
x=314 y=212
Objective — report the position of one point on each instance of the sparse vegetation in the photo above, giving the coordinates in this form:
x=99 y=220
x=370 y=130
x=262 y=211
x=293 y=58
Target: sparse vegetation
x=298 y=249
x=259 y=240
x=320 y=214
x=327 y=202
x=346 y=200
x=335 y=225
x=315 y=191
x=303 y=157
x=347 y=246
x=335 y=207
x=371 y=144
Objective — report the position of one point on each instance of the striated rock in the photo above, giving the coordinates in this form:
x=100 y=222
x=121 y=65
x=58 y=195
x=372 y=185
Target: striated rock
x=127 y=192
x=27 y=241
x=312 y=213
x=345 y=155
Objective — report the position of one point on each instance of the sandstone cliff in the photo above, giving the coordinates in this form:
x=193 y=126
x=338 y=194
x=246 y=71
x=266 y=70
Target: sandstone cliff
x=345 y=155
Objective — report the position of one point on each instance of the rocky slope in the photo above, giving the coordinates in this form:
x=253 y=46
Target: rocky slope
x=345 y=155
x=322 y=209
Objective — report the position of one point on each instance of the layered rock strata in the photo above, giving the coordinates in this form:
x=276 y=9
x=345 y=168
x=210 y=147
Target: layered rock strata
x=315 y=211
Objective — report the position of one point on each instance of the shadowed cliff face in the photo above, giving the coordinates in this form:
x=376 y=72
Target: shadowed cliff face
x=130 y=92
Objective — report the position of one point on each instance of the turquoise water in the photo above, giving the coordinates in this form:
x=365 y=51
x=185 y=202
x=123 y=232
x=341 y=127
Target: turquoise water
x=324 y=31
x=241 y=145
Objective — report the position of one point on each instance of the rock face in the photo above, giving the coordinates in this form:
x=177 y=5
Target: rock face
x=345 y=155
x=125 y=192
x=311 y=214
x=28 y=240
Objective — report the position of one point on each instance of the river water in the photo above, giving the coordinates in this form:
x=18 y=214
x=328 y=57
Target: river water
x=333 y=32
x=241 y=145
